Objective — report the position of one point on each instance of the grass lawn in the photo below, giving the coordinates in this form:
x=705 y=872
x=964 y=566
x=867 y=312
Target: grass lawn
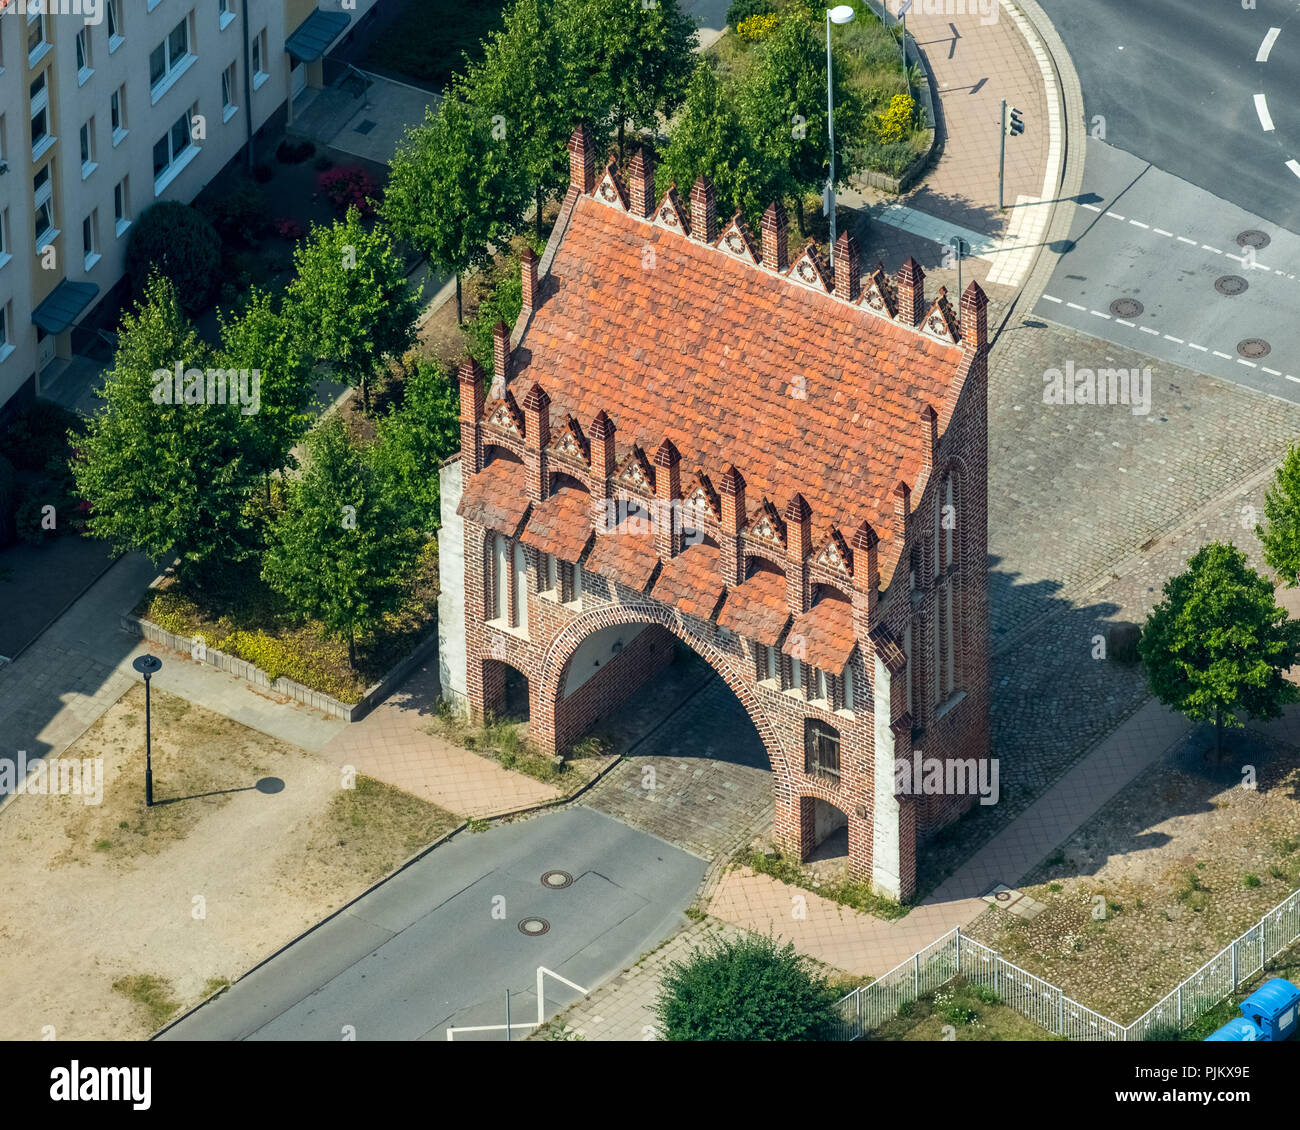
x=960 y=1011
x=842 y=889
x=237 y=613
x=146 y=911
x=431 y=39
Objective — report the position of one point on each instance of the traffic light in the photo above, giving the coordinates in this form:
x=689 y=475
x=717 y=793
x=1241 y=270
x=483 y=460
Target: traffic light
x=1013 y=124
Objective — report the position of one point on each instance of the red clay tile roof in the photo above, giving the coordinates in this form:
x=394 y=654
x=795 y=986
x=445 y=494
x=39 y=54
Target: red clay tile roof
x=680 y=340
x=757 y=609
x=691 y=582
x=561 y=525
x=625 y=557
x=823 y=636
x=496 y=497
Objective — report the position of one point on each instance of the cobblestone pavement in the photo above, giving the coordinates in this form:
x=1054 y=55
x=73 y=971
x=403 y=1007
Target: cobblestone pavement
x=712 y=784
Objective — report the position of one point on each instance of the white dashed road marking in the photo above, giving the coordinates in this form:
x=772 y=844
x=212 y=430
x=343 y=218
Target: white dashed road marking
x=1261 y=56
x=1261 y=108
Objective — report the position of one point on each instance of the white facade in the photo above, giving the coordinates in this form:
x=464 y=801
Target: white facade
x=186 y=82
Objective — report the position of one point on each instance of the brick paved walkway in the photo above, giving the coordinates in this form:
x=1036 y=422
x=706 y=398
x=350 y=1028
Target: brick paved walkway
x=391 y=745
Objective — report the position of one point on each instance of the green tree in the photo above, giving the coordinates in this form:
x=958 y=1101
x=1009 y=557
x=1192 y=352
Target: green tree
x=180 y=243
x=520 y=85
x=165 y=477
x=709 y=139
x=1217 y=646
x=782 y=103
x=453 y=188
x=259 y=339
x=340 y=551
x=632 y=60
x=745 y=988
x=348 y=302
x=413 y=441
x=1280 y=537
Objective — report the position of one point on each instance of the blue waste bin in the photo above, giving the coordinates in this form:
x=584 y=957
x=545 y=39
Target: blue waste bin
x=1237 y=1029
x=1274 y=1007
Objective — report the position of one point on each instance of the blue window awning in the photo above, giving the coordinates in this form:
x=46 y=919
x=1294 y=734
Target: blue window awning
x=314 y=35
x=64 y=304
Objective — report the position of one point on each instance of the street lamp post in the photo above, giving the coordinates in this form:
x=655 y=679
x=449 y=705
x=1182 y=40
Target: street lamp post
x=842 y=14
x=148 y=666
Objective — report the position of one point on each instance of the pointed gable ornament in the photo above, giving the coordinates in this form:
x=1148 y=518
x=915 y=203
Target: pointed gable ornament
x=769 y=526
x=809 y=270
x=941 y=322
x=507 y=415
x=876 y=295
x=670 y=214
x=835 y=554
x=572 y=443
x=636 y=471
x=699 y=497
x=611 y=189
x=738 y=240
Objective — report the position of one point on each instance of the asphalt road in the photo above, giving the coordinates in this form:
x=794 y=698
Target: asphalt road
x=439 y=944
x=1176 y=82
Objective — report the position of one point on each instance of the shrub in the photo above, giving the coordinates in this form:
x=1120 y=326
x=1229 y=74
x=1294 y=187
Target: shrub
x=1252 y=880
x=891 y=158
x=754 y=29
x=239 y=215
x=294 y=152
x=896 y=123
x=349 y=186
x=179 y=243
x=741 y=10
x=262 y=172
x=40 y=435
x=745 y=988
x=286 y=227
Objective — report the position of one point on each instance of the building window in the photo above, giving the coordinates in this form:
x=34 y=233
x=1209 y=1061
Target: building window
x=229 y=108
x=500 y=609
x=121 y=206
x=821 y=749
x=5 y=256
x=258 y=56
x=37 y=44
x=519 y=619
x=43 y=201
x=846 y=683
x=88 y=163
x=796 y=674
x=173 y=151
x=769 y=664
x=911 y=668
x=949 y=650
x=821 y=692
x=40 y=112
x=90 y=239
x=84 y=65
x=5 y=347
x=170 y=59
x=113 y=16
x=949 y=519
x=226 y=14
x=117 y=114
x=550 y=578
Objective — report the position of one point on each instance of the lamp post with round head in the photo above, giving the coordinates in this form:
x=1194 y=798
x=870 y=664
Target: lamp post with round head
x=842 y=14
x=148 y=666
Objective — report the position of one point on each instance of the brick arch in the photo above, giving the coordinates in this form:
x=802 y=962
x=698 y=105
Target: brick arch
x=546 y=689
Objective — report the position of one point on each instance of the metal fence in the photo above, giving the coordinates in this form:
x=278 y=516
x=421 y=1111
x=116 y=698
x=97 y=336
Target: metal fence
x=1046 y=1004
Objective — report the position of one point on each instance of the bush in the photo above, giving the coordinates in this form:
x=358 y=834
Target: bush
x=349 y=186
x=179 y=243
x=239 y=215
x=746 y=988
x=40 y=435
x=895 y=124
x=754 y=29
x=294 y=152
x=262 y=172
x=742 y=10
x=891 y=158
x=288 y=228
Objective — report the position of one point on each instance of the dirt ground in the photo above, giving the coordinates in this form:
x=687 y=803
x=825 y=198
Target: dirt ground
x=253 y=841
x=1165 y=876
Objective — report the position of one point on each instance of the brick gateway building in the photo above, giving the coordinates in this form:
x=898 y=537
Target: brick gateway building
x=782 y=465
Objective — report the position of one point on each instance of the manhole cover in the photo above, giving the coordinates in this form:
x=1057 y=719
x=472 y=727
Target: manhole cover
x=1253 y=238
x=1126 y=308
x=1254 y=348
x=534 y=927
x=557 y=880
x=365 y=126
x=1230 y=285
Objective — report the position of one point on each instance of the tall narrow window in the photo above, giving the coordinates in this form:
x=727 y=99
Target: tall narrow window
x=911 y=668
x=501 y=579
x=847 y=703
x=949 y=651
x=949 y=520
x=796 y=674
x=520 y=617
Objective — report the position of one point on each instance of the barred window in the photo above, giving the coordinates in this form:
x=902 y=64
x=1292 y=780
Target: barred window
x=821 y=748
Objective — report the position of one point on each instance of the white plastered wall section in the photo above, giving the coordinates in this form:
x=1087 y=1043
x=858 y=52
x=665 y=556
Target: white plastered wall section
x=452 y=664
x=884 y=825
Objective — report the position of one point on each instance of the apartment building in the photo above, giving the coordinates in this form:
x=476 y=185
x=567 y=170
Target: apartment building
x=108 y=106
